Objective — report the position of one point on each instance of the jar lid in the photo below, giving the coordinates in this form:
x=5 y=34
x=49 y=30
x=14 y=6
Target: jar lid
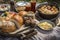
x=21 y=3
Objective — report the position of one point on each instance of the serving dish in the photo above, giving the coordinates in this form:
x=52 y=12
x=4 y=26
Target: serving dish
x=46 y=25
x=20 y=29
x=38 y=17
x=4 y=7
x=22 y=32
x=47 y=16
x=21 y=5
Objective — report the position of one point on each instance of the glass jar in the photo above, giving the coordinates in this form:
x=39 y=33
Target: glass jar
x=20 y=6
x=28 y=7
x=33 y=4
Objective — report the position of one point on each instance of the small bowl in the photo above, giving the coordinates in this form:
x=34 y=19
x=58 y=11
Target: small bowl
x=48 y=22
x=47 y=16
x=7 y=6
x=20 y=6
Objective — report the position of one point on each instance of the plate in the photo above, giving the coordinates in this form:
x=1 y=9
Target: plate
x=7 y=7
x=8 y=34
x=23 y=32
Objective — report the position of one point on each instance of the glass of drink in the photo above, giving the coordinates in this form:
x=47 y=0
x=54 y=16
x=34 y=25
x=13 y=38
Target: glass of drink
x=28 y=7
x=33 y=4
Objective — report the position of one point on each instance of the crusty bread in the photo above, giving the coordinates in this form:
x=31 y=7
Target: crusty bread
x=19 y=19
x=8 y=26
x=22 y=13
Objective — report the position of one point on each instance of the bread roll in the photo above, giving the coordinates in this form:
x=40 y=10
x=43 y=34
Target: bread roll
x=22 y=13
x=19 y=19
x=8 y=26
x=10 y=15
